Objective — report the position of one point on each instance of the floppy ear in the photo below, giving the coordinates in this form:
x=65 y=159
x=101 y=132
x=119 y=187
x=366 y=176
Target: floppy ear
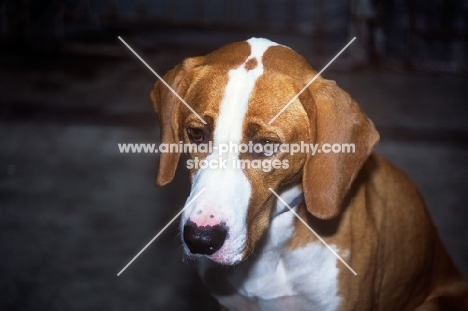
x=335 y=118
x=167 y=106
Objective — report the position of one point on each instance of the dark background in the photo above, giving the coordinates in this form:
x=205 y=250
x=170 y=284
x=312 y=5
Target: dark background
x=74 y=211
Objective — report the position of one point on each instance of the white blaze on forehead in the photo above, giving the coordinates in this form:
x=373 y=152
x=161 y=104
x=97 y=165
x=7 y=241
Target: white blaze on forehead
x=258 y=46
x=228 y=190
x=237 y=93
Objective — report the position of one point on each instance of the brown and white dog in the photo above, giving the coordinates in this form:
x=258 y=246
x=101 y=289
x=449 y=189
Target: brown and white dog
x=251 y=250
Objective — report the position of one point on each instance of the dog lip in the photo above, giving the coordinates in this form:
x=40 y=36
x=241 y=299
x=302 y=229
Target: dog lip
x=221 y=256
x=215 y=258
x=220 y=259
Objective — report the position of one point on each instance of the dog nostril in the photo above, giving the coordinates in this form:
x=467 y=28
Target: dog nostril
x=204 y=239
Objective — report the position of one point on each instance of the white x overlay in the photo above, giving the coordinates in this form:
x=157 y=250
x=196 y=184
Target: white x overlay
x=161 y=79
x=312 y=230
x=201 y=119
x=161 y=231
x=312 y=80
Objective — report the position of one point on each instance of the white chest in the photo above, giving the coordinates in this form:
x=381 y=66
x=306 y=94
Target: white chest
x=305 y=279
x=279 y=279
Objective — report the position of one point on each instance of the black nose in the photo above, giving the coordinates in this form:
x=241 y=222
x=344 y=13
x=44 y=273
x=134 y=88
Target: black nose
x=204 y=239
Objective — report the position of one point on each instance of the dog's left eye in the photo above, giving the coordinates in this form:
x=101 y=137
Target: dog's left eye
x=265 y=148
x=195 y=134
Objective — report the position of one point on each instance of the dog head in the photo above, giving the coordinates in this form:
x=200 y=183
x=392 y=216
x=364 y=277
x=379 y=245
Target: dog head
x=237 y=90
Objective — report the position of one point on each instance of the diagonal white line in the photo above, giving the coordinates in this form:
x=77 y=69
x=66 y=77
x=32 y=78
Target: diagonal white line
x=160 y=232
x=310 y=82
x=312 y=230
x=161 y=79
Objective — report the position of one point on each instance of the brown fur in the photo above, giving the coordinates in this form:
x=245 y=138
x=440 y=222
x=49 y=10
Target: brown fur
x=359 y=202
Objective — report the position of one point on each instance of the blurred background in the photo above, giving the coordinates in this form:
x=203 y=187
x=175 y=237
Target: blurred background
x=74 y=211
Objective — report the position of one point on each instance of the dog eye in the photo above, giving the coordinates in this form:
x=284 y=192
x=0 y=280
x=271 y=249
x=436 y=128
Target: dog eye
x=265 y=148
x=195 y=134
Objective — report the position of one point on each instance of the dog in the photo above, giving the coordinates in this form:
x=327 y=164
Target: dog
x=252 y=251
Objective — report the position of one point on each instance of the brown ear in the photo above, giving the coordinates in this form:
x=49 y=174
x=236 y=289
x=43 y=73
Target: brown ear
x=337 y=119
x=167 y=106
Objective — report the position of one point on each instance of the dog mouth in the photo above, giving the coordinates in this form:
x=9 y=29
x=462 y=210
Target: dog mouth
x=223 y=256
x=228 y=259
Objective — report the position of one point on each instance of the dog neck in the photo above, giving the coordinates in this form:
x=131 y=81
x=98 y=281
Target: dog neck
x=293 y=196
